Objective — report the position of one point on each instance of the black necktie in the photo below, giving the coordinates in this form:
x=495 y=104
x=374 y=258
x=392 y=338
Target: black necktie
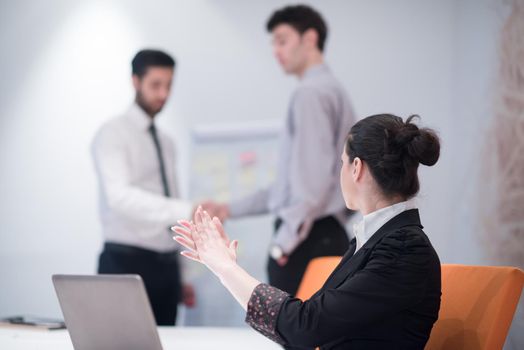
x=152 y=130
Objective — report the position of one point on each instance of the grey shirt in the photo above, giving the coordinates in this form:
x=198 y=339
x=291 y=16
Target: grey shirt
x=307 y=185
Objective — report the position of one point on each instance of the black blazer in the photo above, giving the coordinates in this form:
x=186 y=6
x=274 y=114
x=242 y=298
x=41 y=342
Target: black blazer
x=384 y=296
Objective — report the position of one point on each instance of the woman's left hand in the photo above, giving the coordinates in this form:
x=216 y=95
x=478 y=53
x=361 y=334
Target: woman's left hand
x=206 y=242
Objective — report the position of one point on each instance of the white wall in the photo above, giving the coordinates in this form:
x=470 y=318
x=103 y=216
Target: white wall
x=64 y=69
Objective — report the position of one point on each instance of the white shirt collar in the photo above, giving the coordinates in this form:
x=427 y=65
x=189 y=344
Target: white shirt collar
x=139 y=117
x=372 y=222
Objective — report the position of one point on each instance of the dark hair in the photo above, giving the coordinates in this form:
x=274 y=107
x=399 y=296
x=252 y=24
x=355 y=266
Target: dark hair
x=393 y=149
x=150 y=58
x=302 y=18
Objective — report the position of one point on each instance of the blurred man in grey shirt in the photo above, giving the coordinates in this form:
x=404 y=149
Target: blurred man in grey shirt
x=305 y=197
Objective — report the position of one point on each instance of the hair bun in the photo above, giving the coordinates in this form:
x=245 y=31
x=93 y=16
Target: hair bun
x=393 y=150
x=406 y=134
x=421 y=144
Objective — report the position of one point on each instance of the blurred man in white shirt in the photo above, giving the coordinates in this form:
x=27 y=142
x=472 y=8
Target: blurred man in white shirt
x=135 y=165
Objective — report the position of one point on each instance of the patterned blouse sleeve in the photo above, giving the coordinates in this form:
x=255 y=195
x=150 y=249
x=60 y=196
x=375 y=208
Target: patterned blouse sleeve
x=263 y=308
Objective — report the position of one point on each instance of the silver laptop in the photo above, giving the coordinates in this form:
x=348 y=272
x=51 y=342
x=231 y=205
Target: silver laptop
x=107 y=312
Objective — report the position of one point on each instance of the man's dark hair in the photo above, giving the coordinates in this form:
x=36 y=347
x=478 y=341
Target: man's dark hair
x=150 y=58
x=302 y=18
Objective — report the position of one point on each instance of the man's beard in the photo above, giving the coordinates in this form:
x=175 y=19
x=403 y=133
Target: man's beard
x=145 y=106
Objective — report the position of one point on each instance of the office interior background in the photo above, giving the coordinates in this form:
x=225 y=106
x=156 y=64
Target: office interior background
x=65 y=69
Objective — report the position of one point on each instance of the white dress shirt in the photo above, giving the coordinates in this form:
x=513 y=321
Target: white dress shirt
x=372 y=222
x=133 y=208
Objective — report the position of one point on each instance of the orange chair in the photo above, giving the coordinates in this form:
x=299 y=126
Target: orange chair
x=316 y=274
x=478 y=304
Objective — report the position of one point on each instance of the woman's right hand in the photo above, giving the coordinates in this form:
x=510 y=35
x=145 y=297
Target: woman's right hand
x=207 y=242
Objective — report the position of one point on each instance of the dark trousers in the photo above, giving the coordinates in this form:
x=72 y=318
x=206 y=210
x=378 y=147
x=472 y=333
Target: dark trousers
x=326 y=238
x=159 y=271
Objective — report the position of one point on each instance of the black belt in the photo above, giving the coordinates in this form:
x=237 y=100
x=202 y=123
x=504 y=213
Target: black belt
x=138 y=252
x=278 y=221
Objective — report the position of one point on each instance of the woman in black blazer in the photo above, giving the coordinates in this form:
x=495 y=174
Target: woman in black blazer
x=385 y=293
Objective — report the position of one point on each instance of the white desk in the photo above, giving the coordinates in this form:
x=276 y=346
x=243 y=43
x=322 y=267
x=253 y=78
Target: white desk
x=174 y=338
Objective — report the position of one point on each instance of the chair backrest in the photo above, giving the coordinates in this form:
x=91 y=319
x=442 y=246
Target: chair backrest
x=316 y=274
x=478 y=304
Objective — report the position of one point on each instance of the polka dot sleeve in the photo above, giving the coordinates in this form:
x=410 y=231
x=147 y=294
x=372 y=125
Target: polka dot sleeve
x=263 y=308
